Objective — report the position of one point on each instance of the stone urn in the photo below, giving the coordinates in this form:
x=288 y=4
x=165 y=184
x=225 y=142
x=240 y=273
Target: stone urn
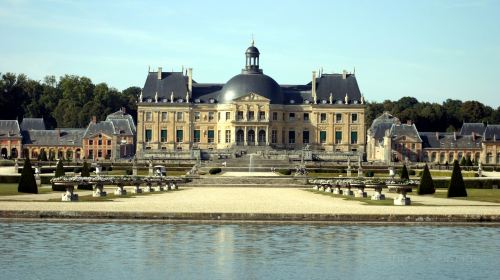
x=336 y=189
x=120 y=190
x=99 y=190
x=68 y=195
x=148 y=188
x=347 y=191
x=137 y=188
x=402 y=190
x=360 y=192
x=377 y=187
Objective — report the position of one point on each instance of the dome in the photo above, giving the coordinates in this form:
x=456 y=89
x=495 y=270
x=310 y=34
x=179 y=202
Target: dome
x=252 y=50
x=243 y=84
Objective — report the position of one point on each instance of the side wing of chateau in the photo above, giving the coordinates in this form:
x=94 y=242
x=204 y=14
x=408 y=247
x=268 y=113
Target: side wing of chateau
x=180 y=118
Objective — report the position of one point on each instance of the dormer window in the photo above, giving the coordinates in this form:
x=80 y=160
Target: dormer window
x=211 y=100
x=323 y=101
x=197 y=100
x=292 y=101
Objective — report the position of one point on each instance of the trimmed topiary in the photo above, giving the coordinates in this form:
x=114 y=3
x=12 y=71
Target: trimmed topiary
x=469 y=162
x=456 y=188
x=215 y=170
x=27 y=183
x=426 y=184
x=42 y=156
x=463 y=162
x=404 y=173
x=59 y=173
x=85 y=170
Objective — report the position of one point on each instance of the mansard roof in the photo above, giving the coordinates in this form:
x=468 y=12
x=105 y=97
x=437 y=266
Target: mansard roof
x=469 y=128
x=56 y=137
x=33 y=124
x=382 y=124
x=119 y=117
x=9 y=128
x=447 y=140
x=492 y=132
x=407 y=130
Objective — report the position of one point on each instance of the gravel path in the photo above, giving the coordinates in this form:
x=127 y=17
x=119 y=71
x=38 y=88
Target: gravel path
x=256 y=200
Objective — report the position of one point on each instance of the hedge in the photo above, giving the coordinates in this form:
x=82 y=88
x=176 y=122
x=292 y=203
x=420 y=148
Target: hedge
x=215 y=170
x=469 y=183
x=284 y=171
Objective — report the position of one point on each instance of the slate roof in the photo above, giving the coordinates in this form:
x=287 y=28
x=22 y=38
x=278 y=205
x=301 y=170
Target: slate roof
x=105 y=127
x=492 y=132
x=9 y=128
x=118 y=119
x=177 y=82
x=398 y=130
x=469 y=128
x=381 y=124
x=446 y=140
x=33 y=124
x=57 y=137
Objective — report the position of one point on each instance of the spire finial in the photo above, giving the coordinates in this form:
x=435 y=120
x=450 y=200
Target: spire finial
x=253 y=40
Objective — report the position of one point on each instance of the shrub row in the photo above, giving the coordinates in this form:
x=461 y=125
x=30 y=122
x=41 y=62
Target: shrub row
x=469 y=183
x=284 y=171
x=215 y=170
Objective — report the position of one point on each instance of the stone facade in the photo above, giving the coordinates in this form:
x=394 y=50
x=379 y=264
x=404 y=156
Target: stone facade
x=10 y=139
x=250 y=112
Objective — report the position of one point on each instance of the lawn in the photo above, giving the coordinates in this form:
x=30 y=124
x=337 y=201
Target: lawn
x=11 y=189
x=488 y=195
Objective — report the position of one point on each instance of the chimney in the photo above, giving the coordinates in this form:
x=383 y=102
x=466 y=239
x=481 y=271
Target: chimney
x=408 y=122
x=437 y=135
x=455 y=135
x=58 y=131
x=190 y=80
x=313 y=89
x=473 y=136
x=159 y=73
x=124 y=110
x=344 y=74
x=94 y=119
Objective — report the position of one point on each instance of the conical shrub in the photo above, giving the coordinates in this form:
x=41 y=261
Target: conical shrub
x=85 y=170
x=457 y=185
x=404 y=173
x=27 y=183
x=426 y=184
x=59 y=173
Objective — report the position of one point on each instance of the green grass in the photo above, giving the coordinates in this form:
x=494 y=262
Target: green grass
x=367 y=201
x=110 y=196
x=487 y=195
x=11 y=189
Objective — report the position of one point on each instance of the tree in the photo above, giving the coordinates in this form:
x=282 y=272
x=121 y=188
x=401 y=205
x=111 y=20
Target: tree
x=27 y=183
x=469 y=162
x=426 y=184
x=457 y=185
x=463 y=162
x=59 y=169
x=404 y=173
x=85 y=170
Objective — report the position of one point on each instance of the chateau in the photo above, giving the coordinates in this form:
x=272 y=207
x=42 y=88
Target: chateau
x=178 y=117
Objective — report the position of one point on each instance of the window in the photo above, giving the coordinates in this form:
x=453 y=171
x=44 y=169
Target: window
x=211 y=136
x=179 y=136
x=164 y=116
x=228 y=116
x=338 y=118
x=99 y=153
x=354 y=137
x=275 y=116
x=262 y=116
x=149 y=116
x=108 y=153
x=108 y=142
x=251 y=115
x=210 y=116
x=163 y=135
x=306 y=117
x=305 y=137
x=322 y=117
x=228 y=136
x=240 y=115
x=274 y=136
x=148 y=135
x=291 y=116
x=354 y=118
x=180 y=116
x=91 y=142
x=196 y=137
x=338 y=137
x=322 y=137
x=291 y=137
x=197 y=116
x=218 y=116
x=91 y=154
x=219 y=136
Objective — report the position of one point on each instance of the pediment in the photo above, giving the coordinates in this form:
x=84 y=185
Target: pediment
x=252 y=96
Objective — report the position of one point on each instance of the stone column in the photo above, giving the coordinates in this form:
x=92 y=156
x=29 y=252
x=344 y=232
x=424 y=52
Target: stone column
x=245 y=136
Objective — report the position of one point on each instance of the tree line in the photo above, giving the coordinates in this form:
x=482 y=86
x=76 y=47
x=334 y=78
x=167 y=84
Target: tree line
x=71 y=101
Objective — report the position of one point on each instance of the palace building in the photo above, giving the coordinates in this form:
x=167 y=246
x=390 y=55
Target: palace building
x=178 y=117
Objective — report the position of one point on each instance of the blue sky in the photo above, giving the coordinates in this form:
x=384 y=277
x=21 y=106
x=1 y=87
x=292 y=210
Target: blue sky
x=431 y=50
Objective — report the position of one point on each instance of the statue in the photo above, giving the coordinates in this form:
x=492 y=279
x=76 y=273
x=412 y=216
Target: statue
x=331 y=98
x=172 y=97
x=362 y=99
x=187 y=97
x=156 y=97
x=140 y=97
x=346 y=99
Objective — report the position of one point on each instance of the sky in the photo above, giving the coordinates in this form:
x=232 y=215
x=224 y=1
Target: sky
x=430 y=50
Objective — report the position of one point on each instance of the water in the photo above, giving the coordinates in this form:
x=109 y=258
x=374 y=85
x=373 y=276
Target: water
x=250 y=164
x=46 y=250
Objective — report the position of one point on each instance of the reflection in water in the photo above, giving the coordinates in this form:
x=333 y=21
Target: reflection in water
x=45 y=250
